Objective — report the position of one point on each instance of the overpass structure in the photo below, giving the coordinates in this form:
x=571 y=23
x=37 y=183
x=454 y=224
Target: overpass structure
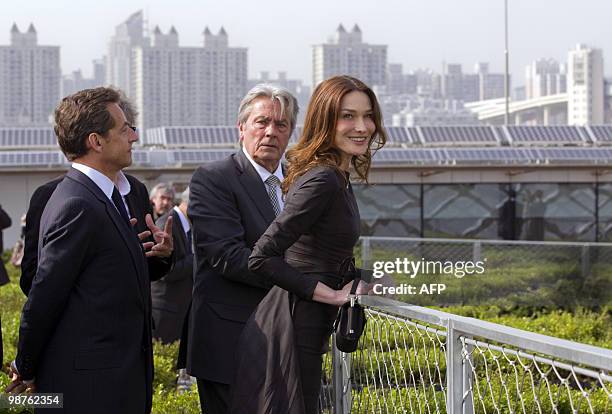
x=545 y=110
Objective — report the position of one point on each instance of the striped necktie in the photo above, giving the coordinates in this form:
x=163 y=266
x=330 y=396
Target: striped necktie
x=271 y=184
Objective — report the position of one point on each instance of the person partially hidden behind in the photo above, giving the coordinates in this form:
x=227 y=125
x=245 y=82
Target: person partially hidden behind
x=85 y=328
x=171 y=294
x=131 y=189
x=5 y=223
x=307 y=252
x=162 y=199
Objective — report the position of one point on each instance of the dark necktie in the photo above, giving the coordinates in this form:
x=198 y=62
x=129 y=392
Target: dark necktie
x=118 y=201
x=271 y=184
x=189 y=248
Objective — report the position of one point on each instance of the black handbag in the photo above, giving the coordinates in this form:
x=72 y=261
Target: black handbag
x=350 y=322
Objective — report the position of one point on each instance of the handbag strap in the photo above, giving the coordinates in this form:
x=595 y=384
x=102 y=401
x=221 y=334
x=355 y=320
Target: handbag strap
x=355 y=284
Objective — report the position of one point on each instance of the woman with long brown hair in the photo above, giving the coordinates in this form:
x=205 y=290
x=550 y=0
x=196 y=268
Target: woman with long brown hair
x=307 y=252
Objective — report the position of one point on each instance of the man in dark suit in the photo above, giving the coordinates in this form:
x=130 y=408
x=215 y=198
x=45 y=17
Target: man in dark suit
x=171 y=295
x=5 y=223
x=232 y=203
x=85 y=328
x=137 y=200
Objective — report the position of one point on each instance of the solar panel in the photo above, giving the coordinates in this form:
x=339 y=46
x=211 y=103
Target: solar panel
x=398 y=136
x=458 y=135
x=199 y=156
x=404 y=155
x=601 y=134
x=546 y=135
x=491 y=155
x=16 y=138
x=195 y=137
x=586 y=155
x=141 y=157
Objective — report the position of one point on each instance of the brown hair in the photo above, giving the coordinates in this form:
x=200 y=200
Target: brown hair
x=316 y=144
x=81 y=114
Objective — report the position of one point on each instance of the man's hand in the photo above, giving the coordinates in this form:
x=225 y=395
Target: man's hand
x=163 y=245
x=17 y=385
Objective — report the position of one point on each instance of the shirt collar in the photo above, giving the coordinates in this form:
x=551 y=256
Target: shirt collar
x=123 y=185
x=184 y=221
x=263 y=173
x=101 y=180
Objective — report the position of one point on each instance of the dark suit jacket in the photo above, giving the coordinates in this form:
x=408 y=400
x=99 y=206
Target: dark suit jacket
x=5 y=223
x=86 y=326
x=229 y=209
x=137 y=200
x=171 y=294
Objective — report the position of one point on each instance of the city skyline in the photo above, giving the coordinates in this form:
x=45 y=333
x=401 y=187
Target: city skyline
x=423 y=35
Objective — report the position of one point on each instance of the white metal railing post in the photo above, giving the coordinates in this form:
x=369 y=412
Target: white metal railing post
x=366 y=254
x=477 y=251
x=454 y=370
x=585 y=262
x=337 y=378
x=468 y=379
x=347 y=385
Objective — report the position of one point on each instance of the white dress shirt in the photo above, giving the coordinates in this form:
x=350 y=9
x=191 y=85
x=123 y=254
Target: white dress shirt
x=105 y=184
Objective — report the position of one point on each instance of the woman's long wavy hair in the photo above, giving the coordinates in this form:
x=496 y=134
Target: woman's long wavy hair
x=316 y=144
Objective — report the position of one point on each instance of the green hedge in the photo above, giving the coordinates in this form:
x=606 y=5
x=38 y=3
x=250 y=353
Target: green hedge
x=166 y=400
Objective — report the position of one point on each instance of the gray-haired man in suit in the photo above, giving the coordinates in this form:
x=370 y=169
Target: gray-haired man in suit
x=232 y=203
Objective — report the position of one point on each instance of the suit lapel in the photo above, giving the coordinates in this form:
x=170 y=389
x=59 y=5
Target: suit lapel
x=253 y=186
x=128 y=235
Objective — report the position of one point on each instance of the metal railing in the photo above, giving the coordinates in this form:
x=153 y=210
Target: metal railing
x=413 y=359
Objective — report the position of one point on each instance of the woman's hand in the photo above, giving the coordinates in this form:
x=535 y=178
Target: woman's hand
x=325 y=294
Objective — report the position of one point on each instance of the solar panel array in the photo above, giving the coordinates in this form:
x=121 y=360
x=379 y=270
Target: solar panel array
x=601 y=134
x=32 y=158
x=458 y=135
x=516 y=145
x=16 y=138
x=391 y=156
x=494 y=156
x=200 y=136
x=546 y=135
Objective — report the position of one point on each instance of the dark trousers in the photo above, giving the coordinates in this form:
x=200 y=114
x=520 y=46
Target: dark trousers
x=214 y=396
x=1 y=349
x=312 y=324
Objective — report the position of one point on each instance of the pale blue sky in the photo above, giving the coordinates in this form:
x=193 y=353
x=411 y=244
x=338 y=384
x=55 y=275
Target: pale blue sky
x=279 y=33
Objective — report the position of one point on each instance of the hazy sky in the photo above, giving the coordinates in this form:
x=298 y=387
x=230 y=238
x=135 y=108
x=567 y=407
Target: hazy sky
x=279 y=33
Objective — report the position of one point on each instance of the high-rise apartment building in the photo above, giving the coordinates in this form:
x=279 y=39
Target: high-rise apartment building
x=585 y=86
x=29 y=80
x=173 y=85
x=490 y=85
x=295 y=86
x=345 y=53
x=470 y=87
x=128 y=35
x=545 y=77
x=75 y=81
